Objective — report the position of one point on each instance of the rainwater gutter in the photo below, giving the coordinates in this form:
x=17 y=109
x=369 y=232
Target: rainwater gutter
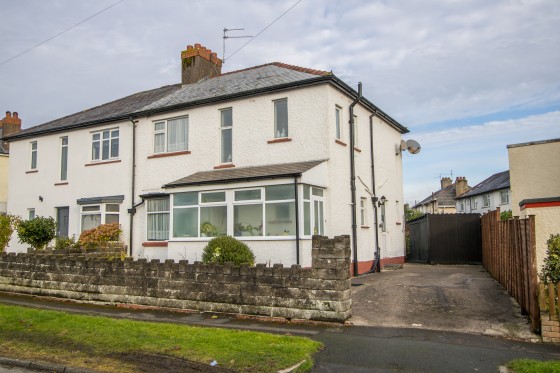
x=353 y=182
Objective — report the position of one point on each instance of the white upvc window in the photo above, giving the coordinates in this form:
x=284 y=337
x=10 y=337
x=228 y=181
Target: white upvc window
x=356 y=137
x=105 y=145
x=338 y=121
x=94 y=215
x=226 y=135
x=158 y=219
x=33 y=155
x=383 y=217
x=486 y=200
x=171 y=135
x=363 y=212
x=281 y=118
x=313 y=211
x=64 y=158
x=461 y=205
x=30 y=214
x=504 y=197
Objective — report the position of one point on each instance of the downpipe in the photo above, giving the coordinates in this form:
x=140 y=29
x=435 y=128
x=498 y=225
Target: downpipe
x=353 y=182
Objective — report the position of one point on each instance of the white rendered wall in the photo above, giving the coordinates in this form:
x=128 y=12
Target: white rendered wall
x=84 y=179
x=495 y=201
x=4 y=159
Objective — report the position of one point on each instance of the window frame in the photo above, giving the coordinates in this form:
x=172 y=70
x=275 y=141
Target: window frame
x=363 y=211
x=102 y=212
x=158 y=213
x=101 y=140
x=338 y=122
x=64 y=158
x=165 y=134
x=505 y=193
x=355 y=132
x=31 y=213
x=277 y=133
x=223 y=129
x=33 y=155
x=486 y=202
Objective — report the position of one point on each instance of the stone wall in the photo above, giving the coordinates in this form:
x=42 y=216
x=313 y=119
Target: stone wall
x=322 y=292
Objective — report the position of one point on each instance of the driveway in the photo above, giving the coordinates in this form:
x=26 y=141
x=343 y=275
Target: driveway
x=459 y=298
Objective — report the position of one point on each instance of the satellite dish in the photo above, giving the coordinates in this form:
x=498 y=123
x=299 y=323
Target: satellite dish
x=412 y=146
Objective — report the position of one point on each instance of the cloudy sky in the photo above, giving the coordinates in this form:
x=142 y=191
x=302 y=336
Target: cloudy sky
x=466 y=77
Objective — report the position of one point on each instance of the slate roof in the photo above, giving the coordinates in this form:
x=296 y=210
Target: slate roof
x=242 y=83
x=495 y=182
x=445 y=197
x=230 y=175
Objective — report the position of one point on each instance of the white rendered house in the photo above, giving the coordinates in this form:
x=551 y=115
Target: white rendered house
x=487 y=195
x=263 y=154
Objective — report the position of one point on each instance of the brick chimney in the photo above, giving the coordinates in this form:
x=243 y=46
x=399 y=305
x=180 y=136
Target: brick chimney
x=445 y=182
x=199 y=63
x=9 y=125
x=461 y=186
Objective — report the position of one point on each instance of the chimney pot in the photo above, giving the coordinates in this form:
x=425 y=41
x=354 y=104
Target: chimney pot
x=197 y=46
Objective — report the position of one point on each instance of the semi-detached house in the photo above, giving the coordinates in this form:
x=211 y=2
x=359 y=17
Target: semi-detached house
x=265 y=154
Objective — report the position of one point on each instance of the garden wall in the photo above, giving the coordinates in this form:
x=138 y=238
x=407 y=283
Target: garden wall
x=321 y=292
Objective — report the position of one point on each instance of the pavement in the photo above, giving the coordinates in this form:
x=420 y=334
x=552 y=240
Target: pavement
x=377 y=342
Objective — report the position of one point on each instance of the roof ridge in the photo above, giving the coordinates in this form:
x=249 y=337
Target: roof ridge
x=283 y=65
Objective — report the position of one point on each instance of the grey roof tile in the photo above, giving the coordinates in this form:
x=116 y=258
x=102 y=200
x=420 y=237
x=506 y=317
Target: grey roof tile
x=445 y=197
x=244 y=174
x=495 y=182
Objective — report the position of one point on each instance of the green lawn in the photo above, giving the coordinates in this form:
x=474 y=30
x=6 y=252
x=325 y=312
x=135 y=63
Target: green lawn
x=534 y=366
x=115 y=345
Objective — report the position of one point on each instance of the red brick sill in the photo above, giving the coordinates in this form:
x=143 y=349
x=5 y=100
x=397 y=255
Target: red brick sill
x=364 y=226
x=31 y=172
x=399 y=223
x=100 y=163
x=357 y=149
x=155 y=244
x=172 y=154
x=229 y=165
x=62 y=183
x=284 y=139
x=339 y=142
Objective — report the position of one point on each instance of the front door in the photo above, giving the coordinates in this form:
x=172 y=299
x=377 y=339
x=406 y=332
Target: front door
x=62 y=214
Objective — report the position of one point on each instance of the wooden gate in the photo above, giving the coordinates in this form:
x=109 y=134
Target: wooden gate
x=446 y=239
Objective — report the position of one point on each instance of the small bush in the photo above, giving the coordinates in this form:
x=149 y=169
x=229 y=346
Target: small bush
x=506 y=215
x=100 y=236
x=550 y=271
x=63 y=242
x=37 y=232
x=226 y=249
x=8 y=224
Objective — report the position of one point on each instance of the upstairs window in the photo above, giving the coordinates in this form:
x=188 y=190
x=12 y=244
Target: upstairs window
x=462 y=205
x=281 y=118
x=504 y=197
x=226 y=135
x=105 y=145
x=486 y=200
x=337 y=118
x=64 y=158
x=356 y=137
x=33 y=147
x=171 y=135
x=363 y=212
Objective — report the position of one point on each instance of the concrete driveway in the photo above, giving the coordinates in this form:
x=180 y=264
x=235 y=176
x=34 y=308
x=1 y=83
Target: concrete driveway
x=460 y=298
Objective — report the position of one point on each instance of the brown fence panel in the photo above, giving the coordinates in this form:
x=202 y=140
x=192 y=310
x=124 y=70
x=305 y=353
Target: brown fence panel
x=508 y=254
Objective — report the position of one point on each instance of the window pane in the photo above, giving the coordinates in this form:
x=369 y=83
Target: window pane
x=159 y=142
x=95 y=150
x=247 y=220
x=279 y=192
x=177 y=134
x=306 y=190
x=96 y=137
x=34 y=145
x=185 y=222
x=226 y=118
x=281 y=118
x=185 y=199
x=317 y=192
x=213 y=221
x=306 y=218
x=106 y=134
x=248 y=195
x=34 y=159
x=226 y=146
x=111 y=218
x=337 y=119
x=64 y=140
x=159 y=204
x=159 y=126
x=31 y=214
x=115 y=148
x=90 y=221
x=115 y=133
x=64 y=163
x=280 y=219
x=158 y=227
x=91 y=208
x=210 y=197
x=105 y=150
x=112 y=207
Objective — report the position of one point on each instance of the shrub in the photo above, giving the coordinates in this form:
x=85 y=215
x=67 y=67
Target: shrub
x=226 y=249
x=506 y=215
x=37 y=232
x=8 y=224
x=100 y=236
x=63 y=242
x=550 y=271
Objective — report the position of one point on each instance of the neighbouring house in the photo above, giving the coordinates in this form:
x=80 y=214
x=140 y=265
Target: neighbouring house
x=443 y=201
x=487 y=195
x=271 y=154
x=534 y=169
x=9 y=125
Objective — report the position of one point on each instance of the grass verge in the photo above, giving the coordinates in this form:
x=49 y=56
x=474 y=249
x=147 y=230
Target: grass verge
x=534 y=366
x=114 y=345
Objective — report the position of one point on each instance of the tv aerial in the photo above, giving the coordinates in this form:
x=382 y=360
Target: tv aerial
x=226 y=36
x=412 y=146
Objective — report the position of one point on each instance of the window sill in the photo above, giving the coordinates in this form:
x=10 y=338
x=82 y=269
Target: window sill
x=155 y=244
x=61 y=183
x=357 y=149
x=399 y=223
x=283 y=139
x=31 y=171
x=100 y=163
x=340 y=142
x=171 y=154
x=228 y=165
x=364 y=227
